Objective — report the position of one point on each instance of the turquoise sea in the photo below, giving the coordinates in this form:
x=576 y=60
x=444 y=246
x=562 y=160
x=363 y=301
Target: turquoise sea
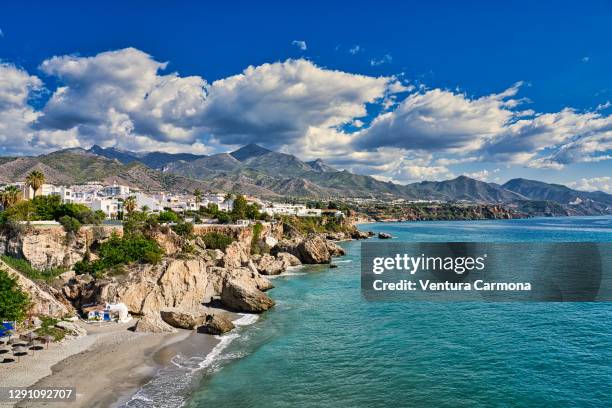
x=323 y=345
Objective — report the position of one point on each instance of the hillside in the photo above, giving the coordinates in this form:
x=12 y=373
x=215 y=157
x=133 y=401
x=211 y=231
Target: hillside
x=74 y=166
x=261 y=172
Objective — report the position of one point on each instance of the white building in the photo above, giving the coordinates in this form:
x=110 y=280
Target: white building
x=150 y=201
x=299 y=210
x=116 y=190
x=65 y=193
x=110 y=206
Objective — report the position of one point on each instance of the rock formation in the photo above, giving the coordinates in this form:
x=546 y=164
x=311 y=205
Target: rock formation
x=182 y=319
x=42 y=300
x=216 y=324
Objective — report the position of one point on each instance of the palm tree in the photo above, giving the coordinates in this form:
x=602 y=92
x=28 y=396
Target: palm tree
x=10 y=196
x=130 y=204
x=197 y=195
x=35 y=179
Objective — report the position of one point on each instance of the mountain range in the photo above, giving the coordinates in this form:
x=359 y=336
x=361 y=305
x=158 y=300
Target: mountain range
x=258 y=171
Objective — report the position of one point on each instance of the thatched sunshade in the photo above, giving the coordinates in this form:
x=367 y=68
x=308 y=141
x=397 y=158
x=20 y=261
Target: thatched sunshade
x=19 y=351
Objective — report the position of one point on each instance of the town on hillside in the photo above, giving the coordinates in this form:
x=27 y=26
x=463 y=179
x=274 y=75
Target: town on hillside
x=111 y=202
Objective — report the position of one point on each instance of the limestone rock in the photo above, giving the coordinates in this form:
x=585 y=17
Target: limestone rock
x=313 y=250
x=356 y=234
x=384 y=235
x=71 y=328
x=288 y=259
x=216 y=324
x=334 y=249
x=268 y=265
x=182 y=319
x=236 y=255
x=238 y=296
x=42 y=301
x=153 y=323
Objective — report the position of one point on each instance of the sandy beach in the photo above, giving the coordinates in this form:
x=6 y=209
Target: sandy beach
x=107 y=366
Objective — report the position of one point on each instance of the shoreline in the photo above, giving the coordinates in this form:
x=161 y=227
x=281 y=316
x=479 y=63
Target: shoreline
x=107 y=366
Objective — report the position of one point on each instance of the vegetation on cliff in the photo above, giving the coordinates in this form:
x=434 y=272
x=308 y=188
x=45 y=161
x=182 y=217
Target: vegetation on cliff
x=217 y=240
x=118 y=251
x=308 y=225
x=136 y=245
x=14 y=303
x=25 y=268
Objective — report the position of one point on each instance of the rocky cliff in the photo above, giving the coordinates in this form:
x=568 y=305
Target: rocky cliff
x=181 y=285
x=44 y=299
x=51 y=247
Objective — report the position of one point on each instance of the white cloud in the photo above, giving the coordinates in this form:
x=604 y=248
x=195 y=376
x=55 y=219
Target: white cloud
x=278 y=104
x=386 y=59
x=300 y=44
x=118 y=97
x=483 y=175
x=593 y=184
x=441 y=120
x=355 y=50
x=585 y=59
x=17 y=87
x=125 y=98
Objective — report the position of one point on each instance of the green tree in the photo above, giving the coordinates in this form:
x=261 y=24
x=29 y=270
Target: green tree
x=129 y=205
x=240 y=208
x=35 y=179
x=197 y=196
x=168 y=216
x=10 y=196
x=71 y=225
x=14 y=303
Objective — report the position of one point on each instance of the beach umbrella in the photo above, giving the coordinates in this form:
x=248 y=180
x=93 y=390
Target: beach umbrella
x=48 y=339
x=19 y=351
x=4 y=350
x=31 y=336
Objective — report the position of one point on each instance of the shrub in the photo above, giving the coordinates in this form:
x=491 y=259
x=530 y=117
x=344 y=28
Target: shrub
x=168 y=216
x=122 y=251
x=217 y=240
x=184 y=229
x=71 y=225
x=255 y=244
x=14 y=303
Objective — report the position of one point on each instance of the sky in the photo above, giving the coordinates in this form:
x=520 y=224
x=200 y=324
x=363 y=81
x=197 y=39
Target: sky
x=402 y=91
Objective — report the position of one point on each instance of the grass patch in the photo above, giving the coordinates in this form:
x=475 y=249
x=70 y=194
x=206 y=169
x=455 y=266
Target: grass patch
x=47 y=329
x=25 y=268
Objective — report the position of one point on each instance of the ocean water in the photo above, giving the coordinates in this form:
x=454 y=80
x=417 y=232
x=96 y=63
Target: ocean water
x=323 y=345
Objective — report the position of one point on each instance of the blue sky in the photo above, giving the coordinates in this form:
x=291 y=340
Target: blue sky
x=398 y=90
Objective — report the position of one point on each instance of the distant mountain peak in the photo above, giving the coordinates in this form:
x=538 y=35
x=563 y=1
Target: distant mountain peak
x=249 y=151
x=320 y=166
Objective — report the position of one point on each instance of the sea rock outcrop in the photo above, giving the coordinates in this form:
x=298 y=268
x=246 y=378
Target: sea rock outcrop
x=384 y=235
x=288 y=259
x=216 y=324
x=182 y=319
x=153 y=323
x=269 y=265
x=314 y=249
x=239 y=296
